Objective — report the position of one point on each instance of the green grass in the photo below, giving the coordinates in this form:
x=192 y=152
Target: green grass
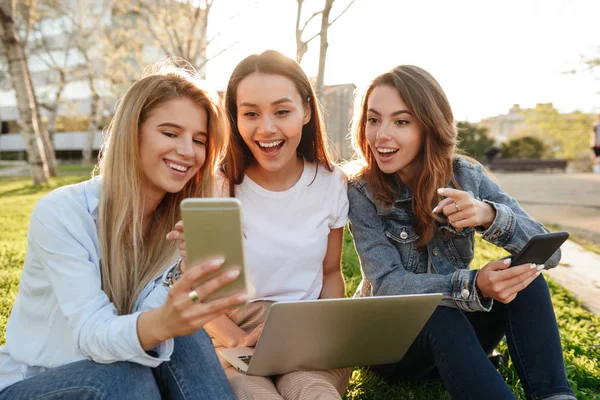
x=3 y=166
x=580 y=329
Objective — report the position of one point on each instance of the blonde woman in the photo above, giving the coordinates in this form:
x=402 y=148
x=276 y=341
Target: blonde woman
x=93 y=318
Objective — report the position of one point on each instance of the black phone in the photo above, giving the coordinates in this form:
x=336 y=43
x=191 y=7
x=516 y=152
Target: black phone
x=539 y=248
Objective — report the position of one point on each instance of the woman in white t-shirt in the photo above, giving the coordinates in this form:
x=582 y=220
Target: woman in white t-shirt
x=294 y=207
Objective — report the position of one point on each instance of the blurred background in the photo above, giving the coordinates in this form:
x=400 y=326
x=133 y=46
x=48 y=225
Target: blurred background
x=520 y=75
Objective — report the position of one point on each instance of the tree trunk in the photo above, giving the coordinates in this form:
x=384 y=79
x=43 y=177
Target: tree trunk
x=324 y=45
x=46 y=141
x=28 y=114
x=95 y=108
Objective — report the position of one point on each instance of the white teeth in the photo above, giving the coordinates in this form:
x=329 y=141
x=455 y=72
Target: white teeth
x=270 y=144
x=177 y=167
x=386 y=150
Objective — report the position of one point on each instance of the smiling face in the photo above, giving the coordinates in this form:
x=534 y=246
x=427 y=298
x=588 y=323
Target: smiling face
x=395 y=137
x=172 y=145
x=270 y=117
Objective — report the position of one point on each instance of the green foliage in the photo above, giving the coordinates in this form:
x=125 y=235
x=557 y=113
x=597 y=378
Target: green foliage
x=524 y=147
x=566 y=135
x=473 y=140
x=580 y=329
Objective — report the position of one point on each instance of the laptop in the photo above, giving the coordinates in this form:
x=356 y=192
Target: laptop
x=334 y=333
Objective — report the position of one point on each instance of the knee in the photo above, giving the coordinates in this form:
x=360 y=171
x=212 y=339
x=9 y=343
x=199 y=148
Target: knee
x=446 y=322
x=313 y=384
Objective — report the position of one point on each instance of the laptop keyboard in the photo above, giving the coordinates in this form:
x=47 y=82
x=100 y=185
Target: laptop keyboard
x=245 y=359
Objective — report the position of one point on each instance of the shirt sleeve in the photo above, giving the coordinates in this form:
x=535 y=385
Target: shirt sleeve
x=341 y=203
x=381 y=263
x=512 y=227
x=64 y=251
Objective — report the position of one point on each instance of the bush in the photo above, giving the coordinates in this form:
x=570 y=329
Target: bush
x=525 y=147
x=473 y=140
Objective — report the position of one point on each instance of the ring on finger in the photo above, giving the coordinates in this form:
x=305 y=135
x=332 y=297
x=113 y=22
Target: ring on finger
x=456 y=205
x=193 y=295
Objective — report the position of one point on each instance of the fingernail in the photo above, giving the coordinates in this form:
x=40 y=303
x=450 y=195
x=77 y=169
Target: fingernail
x=233 y=273
x=540 y=267
x=434 y=210
x=507 y=261
x=216 y=262
x=440 y=191
x=179 y=223
x=532 y=266
x=242 y=298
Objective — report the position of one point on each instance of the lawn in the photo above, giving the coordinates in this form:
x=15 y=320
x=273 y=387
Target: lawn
x=580 y=329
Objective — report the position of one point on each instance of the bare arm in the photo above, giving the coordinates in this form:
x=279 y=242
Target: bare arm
x=333 y=281
x=226 y=331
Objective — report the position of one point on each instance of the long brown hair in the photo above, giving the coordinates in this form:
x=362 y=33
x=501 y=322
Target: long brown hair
x=313 y=144
x=132 y=254
x=428 y=104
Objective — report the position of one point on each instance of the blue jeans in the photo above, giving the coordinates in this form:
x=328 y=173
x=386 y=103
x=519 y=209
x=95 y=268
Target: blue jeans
x=455 y=345
x=194 y=372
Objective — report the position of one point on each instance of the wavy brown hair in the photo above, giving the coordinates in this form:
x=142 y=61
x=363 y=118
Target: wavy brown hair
x=428 y=104
x=132 y=253
x=313 y=144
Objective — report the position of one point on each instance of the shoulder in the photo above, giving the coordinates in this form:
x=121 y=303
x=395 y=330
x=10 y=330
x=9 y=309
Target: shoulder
x=68 y=203
x=464 y=170
x=321 y=173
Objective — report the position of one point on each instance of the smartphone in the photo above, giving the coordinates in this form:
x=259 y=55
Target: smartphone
x=213 y=228
x=539 y=248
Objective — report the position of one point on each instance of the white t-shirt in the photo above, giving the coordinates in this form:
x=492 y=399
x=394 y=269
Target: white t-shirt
x=285 y=233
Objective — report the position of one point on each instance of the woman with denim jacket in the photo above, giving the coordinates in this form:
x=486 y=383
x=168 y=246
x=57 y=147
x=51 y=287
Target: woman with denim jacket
x=93 y=319
x=414 y=208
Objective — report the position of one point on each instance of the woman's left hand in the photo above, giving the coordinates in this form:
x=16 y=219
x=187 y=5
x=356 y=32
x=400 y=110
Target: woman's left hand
x=178 y=236
x=463 y=210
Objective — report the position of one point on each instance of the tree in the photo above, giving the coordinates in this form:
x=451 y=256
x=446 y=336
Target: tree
x=565 y=135
x=302 y=45
x=524 y=147
x=56 y=57
x=473 y=140
x=177 y=27
x=26 y=102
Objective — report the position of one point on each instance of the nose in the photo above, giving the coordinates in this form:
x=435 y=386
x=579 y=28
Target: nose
x=266 y=125
x=382 y=133
x=185 y=147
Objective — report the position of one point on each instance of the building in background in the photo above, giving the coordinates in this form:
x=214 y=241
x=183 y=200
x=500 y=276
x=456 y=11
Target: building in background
x=502 y=126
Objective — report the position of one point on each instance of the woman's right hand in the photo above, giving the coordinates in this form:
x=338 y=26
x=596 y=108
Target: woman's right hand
x=180 y=315
x=499 y=282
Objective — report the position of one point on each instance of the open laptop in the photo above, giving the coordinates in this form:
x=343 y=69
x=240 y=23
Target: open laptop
x=334 y=333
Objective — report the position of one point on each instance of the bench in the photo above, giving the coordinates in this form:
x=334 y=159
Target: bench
x=527 y=164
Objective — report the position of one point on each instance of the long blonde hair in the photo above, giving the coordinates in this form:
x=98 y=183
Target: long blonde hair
x=133 y=254
x=428 y=104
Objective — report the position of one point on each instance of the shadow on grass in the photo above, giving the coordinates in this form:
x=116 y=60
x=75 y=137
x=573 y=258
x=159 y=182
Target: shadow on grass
x=29 y=189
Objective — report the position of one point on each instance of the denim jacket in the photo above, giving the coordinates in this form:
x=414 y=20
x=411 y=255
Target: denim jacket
x=391 y=263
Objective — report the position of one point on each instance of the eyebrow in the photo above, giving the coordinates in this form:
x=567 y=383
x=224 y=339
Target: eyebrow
x=276 y=102
x=172 y=125
x=392 y=114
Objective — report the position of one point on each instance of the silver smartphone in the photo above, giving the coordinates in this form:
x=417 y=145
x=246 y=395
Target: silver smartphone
x=213 y=228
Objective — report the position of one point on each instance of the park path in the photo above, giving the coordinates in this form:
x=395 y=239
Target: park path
x=571 y=201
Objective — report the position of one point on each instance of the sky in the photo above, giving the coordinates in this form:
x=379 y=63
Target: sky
x=487 y=55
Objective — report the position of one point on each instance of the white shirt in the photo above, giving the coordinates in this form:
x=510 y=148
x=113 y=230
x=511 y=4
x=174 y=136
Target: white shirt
x=286 y=232
x=61 y=314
